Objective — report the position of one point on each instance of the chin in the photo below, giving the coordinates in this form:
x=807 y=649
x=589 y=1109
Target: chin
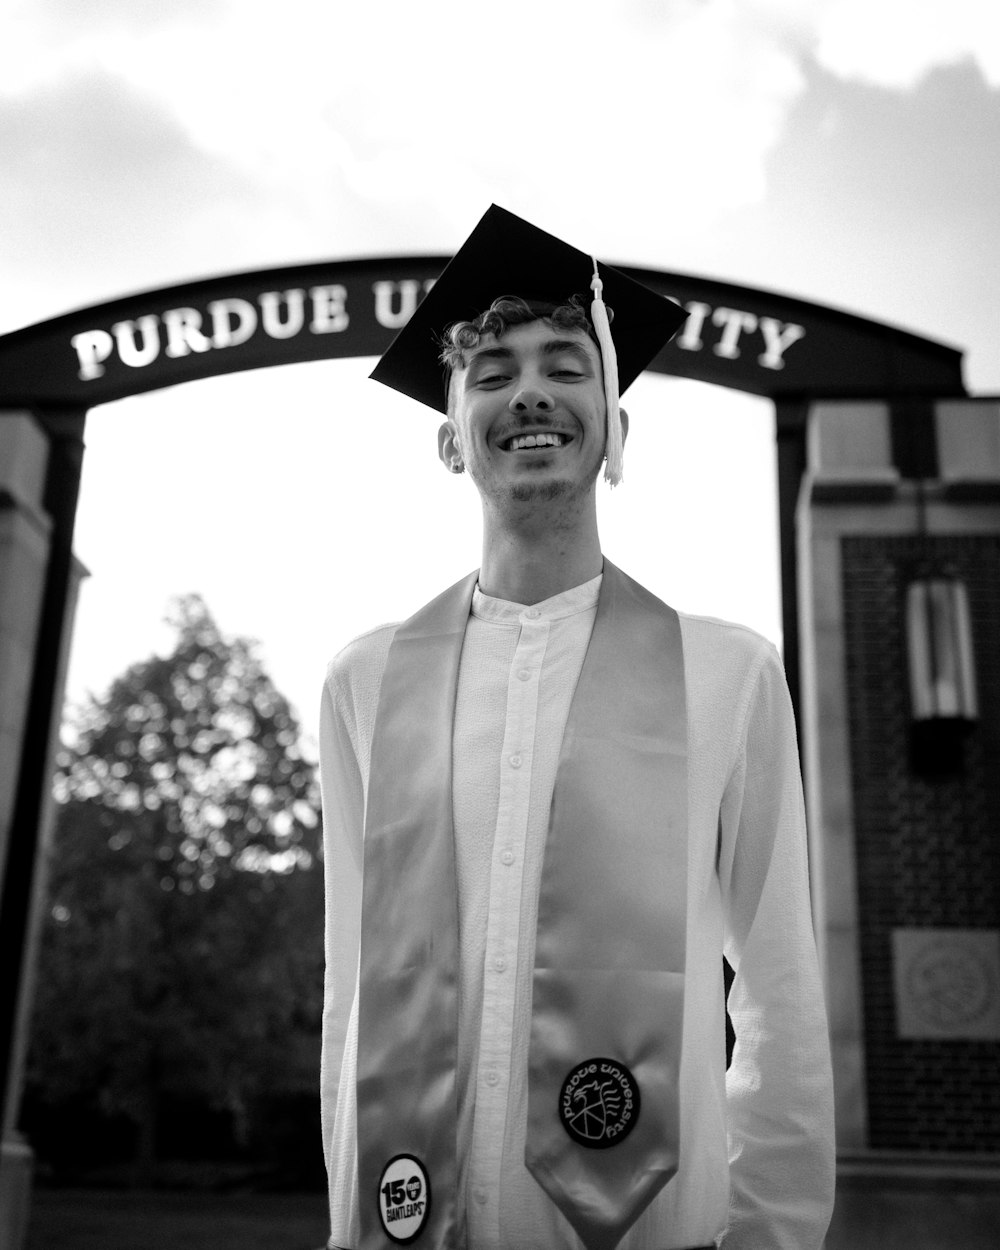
x=541 y=492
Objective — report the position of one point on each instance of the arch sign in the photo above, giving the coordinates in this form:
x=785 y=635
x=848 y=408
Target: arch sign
x=750 y=340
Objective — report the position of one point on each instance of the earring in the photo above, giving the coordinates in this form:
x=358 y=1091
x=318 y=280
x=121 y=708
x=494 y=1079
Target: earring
x=458 y=467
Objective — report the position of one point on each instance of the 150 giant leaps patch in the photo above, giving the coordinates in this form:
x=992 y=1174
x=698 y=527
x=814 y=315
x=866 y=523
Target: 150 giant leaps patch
x=404 y=1198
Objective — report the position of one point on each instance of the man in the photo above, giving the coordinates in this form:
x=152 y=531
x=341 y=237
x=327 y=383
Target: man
x=551 y=803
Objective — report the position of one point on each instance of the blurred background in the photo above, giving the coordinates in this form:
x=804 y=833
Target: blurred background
x=238 y=531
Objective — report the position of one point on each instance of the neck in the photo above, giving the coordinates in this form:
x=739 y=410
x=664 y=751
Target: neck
x=531 y=559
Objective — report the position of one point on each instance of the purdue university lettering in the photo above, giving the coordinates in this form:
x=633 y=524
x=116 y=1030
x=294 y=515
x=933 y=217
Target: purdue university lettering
x=777 y=336
x=225 y=323
x=229 y=323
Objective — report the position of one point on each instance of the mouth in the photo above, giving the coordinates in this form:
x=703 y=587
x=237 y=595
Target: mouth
x=538 y=440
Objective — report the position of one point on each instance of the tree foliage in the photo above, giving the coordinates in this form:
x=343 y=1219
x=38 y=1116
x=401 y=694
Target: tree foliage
x=182 y=946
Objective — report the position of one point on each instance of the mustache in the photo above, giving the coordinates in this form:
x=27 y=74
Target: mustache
x=516 y=428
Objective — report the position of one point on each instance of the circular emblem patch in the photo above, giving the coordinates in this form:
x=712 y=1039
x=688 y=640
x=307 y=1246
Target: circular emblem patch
x=404 y=1198
x=599 y=1103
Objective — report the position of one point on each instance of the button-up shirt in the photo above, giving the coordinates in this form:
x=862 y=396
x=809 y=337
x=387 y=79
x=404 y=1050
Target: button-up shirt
x=519 y=669
x=756 y=1165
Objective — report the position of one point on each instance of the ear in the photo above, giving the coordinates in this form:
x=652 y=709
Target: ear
x=448 y=448
x=624 y=416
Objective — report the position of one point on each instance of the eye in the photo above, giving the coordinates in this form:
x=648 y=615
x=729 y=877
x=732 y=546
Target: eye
x=493 y=379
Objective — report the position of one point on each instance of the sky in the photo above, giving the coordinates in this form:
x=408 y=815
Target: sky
x=842 y=151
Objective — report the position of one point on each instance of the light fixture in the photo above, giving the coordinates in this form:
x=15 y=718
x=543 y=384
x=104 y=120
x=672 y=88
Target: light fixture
x=941 y=663
x=939 y=647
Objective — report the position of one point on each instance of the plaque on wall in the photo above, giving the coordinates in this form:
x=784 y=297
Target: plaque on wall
x=947 y=983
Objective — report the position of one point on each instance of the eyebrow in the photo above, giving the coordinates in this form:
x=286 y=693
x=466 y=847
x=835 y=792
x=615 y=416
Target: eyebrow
x=551 y=347
x=556 y=347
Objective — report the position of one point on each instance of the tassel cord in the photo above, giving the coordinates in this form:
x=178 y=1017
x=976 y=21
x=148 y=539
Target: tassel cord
x=609 y=360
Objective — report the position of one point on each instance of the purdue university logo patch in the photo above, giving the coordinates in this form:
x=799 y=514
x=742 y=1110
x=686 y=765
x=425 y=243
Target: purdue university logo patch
x=404 y=1198
x=599 y=1103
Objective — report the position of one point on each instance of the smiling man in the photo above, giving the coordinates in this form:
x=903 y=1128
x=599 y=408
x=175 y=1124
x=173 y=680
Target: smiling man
x=551 y=804
x=527 y=422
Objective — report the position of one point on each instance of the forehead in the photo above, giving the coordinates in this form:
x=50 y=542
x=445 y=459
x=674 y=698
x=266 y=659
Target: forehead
x=533 y=336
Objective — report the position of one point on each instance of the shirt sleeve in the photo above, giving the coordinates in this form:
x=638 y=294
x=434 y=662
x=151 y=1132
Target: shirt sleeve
x=779 y=1086
x=343 y=850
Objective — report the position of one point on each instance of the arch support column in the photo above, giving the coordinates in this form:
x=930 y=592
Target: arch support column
x=903 y=848
x=40 y=462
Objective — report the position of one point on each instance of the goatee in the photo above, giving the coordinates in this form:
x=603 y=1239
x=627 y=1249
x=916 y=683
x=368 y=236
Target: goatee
x=541 y=492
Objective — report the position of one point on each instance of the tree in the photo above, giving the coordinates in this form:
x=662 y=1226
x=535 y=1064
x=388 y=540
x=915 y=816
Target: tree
x=182 y=947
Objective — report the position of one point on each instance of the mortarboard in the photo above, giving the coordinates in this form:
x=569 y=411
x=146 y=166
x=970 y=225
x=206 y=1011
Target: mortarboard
x=505 y=255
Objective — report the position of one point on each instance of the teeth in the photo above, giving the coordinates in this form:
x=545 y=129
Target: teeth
x=536 y=440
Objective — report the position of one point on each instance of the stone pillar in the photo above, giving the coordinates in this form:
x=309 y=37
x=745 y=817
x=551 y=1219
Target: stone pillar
x=900 y=860
x=24 y=549
x=39 y=478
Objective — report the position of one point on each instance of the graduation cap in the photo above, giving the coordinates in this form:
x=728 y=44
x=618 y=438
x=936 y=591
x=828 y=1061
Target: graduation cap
x=505 y=255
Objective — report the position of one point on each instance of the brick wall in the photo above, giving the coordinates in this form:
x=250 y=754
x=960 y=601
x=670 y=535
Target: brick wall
x=928 y=850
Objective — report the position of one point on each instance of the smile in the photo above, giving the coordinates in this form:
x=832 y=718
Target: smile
x=522 y=442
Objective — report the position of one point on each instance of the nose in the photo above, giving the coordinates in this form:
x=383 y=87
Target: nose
x=530 y=398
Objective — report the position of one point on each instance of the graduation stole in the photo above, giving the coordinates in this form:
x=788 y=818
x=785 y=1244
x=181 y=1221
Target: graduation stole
x=608 y=987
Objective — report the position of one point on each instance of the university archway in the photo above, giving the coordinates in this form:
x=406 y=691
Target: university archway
x=760 y=342
x=885 y=388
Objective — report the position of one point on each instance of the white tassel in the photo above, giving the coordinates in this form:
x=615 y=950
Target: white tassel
x=609 y=359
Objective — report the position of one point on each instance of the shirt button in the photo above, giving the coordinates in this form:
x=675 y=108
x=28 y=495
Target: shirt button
x=515 y=761
x=491 y=1078
x=499 y=963
x=481 y=1197
x=523 y=674
x=532 y=614
x=507 y=857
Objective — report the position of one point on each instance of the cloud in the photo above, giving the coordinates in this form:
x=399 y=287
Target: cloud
x=41 y=40
x=886 y=203
x=70 y=17
x=389 y=126
x=152 y=143
x=98 y=181
x=896 y=43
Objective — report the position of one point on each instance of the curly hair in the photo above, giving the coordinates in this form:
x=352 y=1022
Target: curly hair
x=503 y=314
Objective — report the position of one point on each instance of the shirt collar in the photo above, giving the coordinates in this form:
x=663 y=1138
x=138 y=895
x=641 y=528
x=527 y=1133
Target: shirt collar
x=580 y=598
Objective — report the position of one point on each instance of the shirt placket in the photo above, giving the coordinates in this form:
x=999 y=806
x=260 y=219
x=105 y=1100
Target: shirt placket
x=503 y=923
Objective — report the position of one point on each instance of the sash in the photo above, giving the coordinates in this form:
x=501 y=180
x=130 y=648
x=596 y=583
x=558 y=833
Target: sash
x=608 y=990
x=604 y=1062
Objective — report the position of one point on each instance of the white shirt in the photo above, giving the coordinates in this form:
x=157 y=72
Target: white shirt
x=519 y=668
x=757 y=1146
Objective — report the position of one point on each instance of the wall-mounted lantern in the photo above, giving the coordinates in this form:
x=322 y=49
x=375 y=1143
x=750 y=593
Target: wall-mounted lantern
x=943 y=703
